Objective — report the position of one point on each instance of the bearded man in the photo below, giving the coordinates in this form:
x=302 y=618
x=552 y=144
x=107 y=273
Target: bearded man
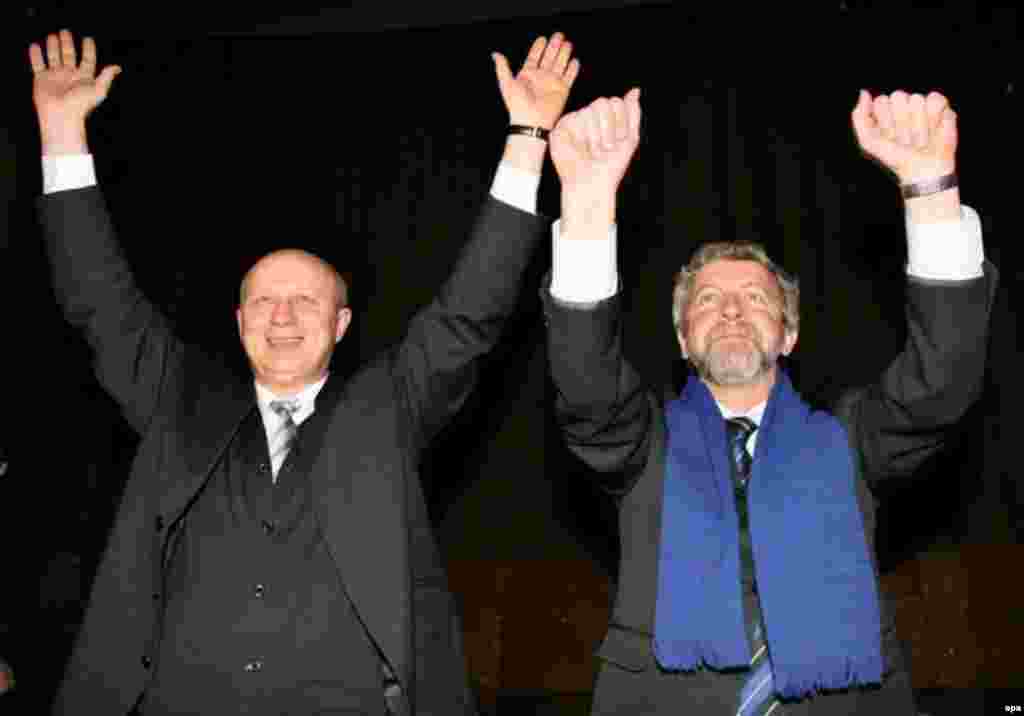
x=748 y=581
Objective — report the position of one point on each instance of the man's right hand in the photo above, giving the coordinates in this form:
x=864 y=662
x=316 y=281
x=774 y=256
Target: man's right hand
x=591 y=149
x=65 y=91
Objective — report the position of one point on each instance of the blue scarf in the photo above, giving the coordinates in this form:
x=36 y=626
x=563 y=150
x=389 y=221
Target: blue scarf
x=817 y=588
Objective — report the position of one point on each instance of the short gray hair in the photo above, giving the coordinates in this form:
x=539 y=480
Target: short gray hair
x=736 y=251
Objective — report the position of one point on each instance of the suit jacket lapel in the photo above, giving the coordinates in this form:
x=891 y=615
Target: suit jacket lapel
x=211 y=418
x=361 y=514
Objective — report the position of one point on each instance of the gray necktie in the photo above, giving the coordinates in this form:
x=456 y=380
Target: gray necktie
x=282 y=440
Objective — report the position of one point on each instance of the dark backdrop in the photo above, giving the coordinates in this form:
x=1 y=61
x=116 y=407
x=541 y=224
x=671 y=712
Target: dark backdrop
x=370 y=137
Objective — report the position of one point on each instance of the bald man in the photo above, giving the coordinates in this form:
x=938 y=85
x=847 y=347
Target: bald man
x=272 y=552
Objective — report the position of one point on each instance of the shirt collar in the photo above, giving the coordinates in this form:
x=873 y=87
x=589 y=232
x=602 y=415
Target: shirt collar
x=306 y=398
x=756 y=413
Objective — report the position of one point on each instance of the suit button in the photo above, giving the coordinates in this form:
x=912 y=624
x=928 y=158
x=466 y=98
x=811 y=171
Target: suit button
x=259 y=590
x=268 y=527
x=254 y=666
x=156 y=596
x=146 y=662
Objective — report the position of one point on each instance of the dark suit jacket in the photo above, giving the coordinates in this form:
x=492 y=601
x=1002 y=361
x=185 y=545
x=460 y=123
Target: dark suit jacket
x=615 y=423
x=187 y=406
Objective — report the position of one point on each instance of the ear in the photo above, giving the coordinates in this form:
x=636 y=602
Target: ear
x=682 y=345
x=788 y=342
x=344 y=319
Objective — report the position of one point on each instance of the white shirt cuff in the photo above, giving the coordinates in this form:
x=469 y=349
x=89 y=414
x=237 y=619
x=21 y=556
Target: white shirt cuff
x=516 y=187
x=947 y=250
x=68 y=171
x=583 y=270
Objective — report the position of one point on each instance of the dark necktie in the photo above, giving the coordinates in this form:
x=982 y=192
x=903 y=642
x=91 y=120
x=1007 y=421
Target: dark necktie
x=282 y=440
x=738 y=431
x=757 y=695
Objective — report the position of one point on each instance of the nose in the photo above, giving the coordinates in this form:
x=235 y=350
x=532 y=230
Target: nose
x=282 y=313
x=732 y=306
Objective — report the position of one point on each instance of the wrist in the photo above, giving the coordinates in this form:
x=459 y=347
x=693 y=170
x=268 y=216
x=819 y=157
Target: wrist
x=587 y=212
x=64 y=139
x=934 y=208
x=529 y=121
x=526 y=153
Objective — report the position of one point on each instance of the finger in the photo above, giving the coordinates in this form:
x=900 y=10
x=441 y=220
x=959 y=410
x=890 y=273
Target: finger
x=593 y=129
x=106 y=78
x=934 y=104
x=547 y=62
x=946 y=131
x=502 y=70
x=883 y=116
x=900 y=116
x=53 y=51
x=536 y=52
x=918 y=120
x=633 y=112
x=88 y=66
x=67 y=49
x=620 y=120
x=35 y=58
x=562 y=60
x=571 y=73
x=603 y=112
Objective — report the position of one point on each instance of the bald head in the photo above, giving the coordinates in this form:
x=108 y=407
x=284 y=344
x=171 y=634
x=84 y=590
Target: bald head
x=292 y=312
x=278 y=261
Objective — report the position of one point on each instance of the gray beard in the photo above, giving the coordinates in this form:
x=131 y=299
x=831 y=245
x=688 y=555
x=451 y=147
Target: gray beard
x=733 y=367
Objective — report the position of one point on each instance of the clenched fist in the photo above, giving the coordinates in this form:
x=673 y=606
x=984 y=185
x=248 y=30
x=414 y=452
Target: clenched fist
x=914 y=136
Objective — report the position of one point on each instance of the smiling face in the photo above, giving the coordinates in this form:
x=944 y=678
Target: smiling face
x=732 y=329
x=291 y=316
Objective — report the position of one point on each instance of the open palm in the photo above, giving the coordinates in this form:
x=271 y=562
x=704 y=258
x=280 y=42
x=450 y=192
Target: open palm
x=536 y=96
x=64 y=89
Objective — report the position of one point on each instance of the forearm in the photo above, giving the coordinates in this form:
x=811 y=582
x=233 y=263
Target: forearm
x=94 y=285
x=435 y=364
x=905 y=418
x=604 y=411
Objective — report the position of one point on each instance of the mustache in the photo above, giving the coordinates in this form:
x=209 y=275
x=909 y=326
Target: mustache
x=730 y=330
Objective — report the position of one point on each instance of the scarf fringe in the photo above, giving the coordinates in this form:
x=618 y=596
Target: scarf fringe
x=847 y=673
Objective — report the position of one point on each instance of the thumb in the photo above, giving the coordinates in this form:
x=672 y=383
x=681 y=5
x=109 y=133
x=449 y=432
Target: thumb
x=106 y=79
x=633 y=113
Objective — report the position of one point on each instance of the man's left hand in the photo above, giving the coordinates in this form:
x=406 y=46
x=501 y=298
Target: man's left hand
x=536 y=96
x=912 y=135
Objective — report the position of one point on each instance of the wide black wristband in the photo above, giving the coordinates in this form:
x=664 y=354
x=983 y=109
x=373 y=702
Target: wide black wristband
x=929 y=186
x=538 y=132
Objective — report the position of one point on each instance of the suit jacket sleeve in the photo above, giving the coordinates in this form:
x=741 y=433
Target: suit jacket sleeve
x=604 y=410
x=133 y=345
x=435 y=366
x=906 y=417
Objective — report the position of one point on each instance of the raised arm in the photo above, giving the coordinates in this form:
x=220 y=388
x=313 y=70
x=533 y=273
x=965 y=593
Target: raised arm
x=904 y=418
x=132 y=343
x=602 y=407
x=436 y=364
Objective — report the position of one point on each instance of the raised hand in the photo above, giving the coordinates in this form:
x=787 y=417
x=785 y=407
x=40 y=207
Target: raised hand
x=592 y=148
x=65 y=90
x=536 y=96
x=912 y=135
